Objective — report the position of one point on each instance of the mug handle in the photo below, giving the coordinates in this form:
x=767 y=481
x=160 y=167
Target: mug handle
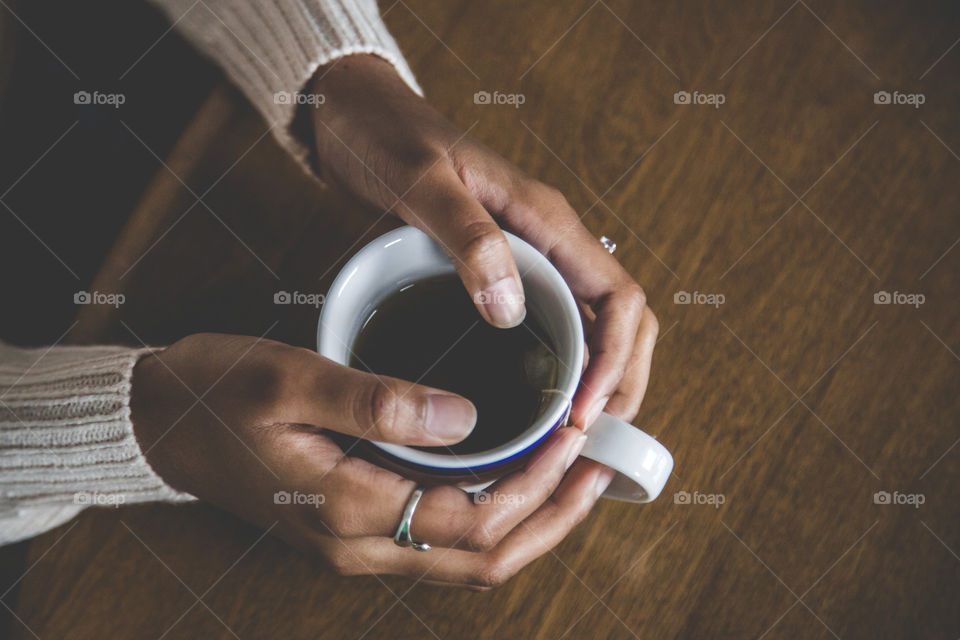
x=643 y=464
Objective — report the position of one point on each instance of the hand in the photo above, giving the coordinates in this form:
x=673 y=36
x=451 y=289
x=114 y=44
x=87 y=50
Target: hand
x=233 y=420
x=379 y=141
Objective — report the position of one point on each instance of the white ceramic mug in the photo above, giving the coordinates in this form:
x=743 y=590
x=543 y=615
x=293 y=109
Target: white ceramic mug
x=406 y=255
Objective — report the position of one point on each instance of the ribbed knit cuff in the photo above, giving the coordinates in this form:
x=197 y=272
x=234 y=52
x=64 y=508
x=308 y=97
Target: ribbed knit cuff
x=66 y=438
x=271 y=49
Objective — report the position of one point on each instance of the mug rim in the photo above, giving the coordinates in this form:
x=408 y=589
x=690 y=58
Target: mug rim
x=558 y=408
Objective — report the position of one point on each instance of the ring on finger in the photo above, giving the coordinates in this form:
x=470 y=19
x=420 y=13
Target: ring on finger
x=403 y=537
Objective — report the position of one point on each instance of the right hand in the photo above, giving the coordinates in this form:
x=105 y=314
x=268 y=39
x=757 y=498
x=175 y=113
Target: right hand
x=387 y=146
x=234 y=419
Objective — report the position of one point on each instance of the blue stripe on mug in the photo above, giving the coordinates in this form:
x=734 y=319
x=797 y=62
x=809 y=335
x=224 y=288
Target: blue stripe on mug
x=477 y=468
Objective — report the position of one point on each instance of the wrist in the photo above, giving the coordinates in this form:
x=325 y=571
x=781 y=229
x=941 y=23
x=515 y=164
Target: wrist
x=144 y=401
x=334 y=72
x=360 y=93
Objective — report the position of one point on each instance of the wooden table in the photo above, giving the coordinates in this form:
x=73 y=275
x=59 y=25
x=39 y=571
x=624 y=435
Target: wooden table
x=787 y=407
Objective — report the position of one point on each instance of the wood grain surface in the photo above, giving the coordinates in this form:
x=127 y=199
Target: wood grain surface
x=787 y=407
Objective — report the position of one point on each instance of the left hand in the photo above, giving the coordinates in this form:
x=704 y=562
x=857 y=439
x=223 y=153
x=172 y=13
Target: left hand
x=388 y=147
x=237 y=421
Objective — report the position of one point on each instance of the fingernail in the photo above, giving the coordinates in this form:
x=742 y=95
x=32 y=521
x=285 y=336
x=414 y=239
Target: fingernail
x=450 y=417
x=594 y=411
x=575 y=448
x=504 y=303
x=604 y=478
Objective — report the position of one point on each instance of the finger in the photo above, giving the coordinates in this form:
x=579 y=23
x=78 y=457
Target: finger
x=541 y=215
x=625 y=402
x=374 y=407
x=440 y=583
x=611 y=347
x=492 y=514
x=568 y=506
x=447 y=516
x=442 y=207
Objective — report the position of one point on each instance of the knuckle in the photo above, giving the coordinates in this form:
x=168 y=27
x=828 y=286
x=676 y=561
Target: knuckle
x=483 y=536
x=582 y=511
x=477 y=177
x=545 y=193
x=552 y=193
x=546 y=199
x=338 y=522
x=634 y=296
x=578 y=514
x=378 y=409
x=494 y=573
x=566 y=227
x=414 y=168
x=342 y=562
x=424 y=158
x=620 y=371
x=266 y=382
x=653 y=324
x=558 y=202
x=536 y=193
x=483 y=242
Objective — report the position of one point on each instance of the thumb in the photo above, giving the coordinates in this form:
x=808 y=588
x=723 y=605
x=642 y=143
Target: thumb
x=443 y=208
x=373 y=407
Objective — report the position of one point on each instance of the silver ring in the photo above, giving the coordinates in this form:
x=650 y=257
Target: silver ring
x=402 y=537
x=608 y=244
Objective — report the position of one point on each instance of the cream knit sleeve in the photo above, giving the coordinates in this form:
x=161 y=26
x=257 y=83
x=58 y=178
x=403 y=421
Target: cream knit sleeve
x=271 y=49
x=66 y=439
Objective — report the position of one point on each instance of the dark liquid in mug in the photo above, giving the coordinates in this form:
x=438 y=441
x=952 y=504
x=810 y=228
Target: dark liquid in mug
x=429 y=332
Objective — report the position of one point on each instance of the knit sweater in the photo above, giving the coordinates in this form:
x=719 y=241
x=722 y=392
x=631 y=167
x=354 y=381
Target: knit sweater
x=66 y=438
x=271 y=49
